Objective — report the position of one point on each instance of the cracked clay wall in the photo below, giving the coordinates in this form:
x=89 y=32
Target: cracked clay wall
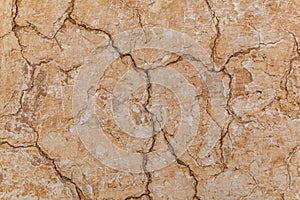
x=152 y=99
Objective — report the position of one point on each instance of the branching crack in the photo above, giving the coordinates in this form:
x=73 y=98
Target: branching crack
x=230 y=111
x=64 y=178
x=67 y=16
x=230 y=76
x=289 y=71
x=153 y=118
x=15 y=30
x=248 y=50
x=68 y=71
x=182 y=163
x=145 y=105
x=148 y=175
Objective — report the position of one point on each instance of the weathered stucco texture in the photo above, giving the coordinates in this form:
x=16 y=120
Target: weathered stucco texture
x=150 y=99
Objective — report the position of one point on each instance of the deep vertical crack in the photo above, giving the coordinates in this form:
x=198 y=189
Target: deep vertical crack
x=289 y=71
x=43 y=153
x=182 y=163
x=147 y=192
x=64 y=178
x=15 y=30
x=288 y=160
x=228 y=107
x=216 y=22
x=145 y=105
x=153 y=119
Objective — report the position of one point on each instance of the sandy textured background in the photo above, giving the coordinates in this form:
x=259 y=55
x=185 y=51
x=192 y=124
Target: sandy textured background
x=226 y=71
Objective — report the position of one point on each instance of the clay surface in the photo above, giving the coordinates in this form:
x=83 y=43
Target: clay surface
x=155 y=99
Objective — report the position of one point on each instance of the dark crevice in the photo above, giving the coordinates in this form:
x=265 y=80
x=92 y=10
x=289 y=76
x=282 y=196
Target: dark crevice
x=289 y=157
x=153 y=120
x=182 y=163
x=15 y=30
x=145 y=105
x=289 y=71
x=62 y=177
x=216 y=22
x=247 y=51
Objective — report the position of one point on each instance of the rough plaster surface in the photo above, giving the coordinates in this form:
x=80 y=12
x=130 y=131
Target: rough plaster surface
x=180 y=100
